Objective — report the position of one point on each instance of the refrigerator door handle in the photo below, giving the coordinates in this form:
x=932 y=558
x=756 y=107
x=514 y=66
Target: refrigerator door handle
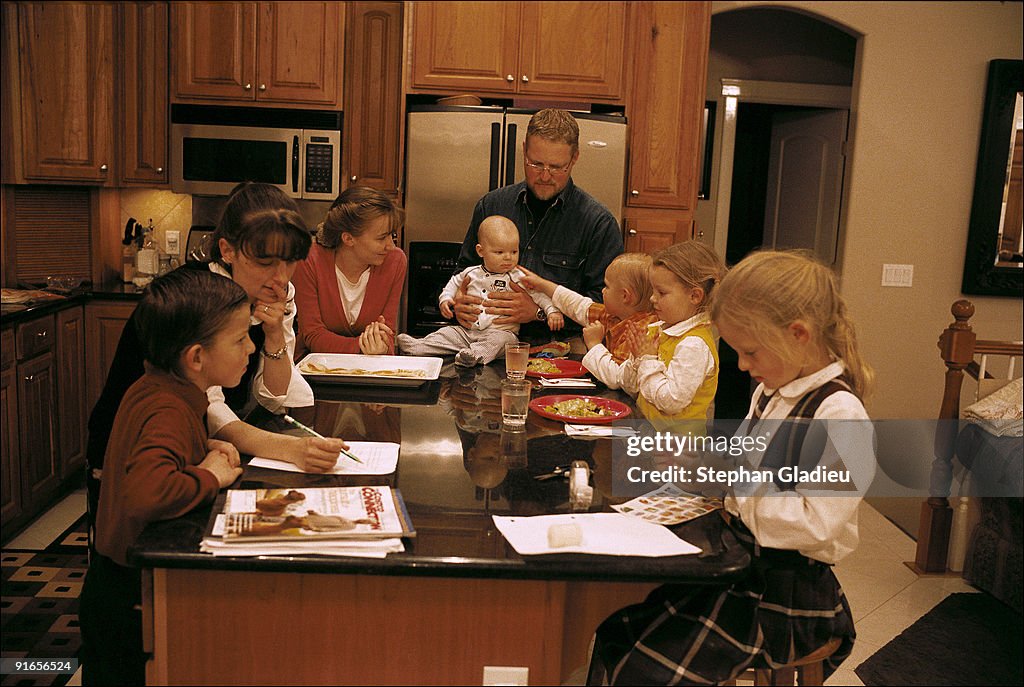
x=510 y=155
x=495 y=155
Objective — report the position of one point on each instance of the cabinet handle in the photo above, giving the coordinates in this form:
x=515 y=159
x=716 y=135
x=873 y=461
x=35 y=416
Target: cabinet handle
x=103 y=168
x=41 y=335
x=263 y=86
x=526 y=79
x=248 y=87
x=631 y=232
x=634 y=192
x=159 y=170
x=353 y=178
x=30 y=378
x=510 y=78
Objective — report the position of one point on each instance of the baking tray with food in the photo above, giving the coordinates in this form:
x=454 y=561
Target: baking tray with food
x=375 y=370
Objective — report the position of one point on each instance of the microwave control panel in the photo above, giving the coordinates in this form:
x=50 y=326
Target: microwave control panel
x=319 y=166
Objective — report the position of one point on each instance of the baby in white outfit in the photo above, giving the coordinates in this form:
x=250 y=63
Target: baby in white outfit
x=485 y=341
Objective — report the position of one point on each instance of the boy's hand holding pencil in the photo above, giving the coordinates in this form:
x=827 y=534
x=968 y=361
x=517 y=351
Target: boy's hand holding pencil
x=318 y=453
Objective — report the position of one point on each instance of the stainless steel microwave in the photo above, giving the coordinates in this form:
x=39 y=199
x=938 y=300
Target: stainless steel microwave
x=215 y=148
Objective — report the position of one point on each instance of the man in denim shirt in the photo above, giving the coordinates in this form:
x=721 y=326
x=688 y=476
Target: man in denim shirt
x=565 y=235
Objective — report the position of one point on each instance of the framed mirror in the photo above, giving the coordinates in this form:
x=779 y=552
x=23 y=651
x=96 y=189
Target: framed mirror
x=993 y=265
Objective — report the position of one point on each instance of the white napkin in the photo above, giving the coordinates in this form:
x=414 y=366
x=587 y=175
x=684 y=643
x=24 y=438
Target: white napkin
x=598 y=431
x=608 y=534
x=568 y=383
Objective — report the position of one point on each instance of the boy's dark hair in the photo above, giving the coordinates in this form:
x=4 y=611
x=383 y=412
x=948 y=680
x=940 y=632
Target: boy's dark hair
x=183 y=308
x=262 y=222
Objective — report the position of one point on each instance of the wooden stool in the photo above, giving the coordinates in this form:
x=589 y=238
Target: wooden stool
x=809 y=670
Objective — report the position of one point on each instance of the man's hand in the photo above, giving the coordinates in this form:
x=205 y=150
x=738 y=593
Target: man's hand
x=467 y=308
x=513 y=306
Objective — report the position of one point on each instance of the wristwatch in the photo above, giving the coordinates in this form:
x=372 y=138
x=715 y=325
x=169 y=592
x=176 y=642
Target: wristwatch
x=541 y=315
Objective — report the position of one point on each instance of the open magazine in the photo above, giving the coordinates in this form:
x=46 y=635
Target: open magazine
x=322 y=513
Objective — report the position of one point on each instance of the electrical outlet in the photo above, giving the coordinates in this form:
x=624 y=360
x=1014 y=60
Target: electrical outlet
x=506 y=675
x=897 y=275
x=172 y=237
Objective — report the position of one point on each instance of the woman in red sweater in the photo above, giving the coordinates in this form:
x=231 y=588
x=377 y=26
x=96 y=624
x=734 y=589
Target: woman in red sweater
x=347 y=290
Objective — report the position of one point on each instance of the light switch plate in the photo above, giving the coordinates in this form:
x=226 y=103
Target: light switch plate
x=897 y=275
x=506 y=675
x=172 y=237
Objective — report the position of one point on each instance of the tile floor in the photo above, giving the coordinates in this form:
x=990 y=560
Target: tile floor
x=886 y=597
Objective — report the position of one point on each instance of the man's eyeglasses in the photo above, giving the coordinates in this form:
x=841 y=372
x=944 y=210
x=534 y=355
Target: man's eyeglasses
x=553 y=171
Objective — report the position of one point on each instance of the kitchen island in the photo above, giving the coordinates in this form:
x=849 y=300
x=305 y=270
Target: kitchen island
x=458 y=599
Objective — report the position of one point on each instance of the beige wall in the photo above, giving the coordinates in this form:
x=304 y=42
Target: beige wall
x=919 y=88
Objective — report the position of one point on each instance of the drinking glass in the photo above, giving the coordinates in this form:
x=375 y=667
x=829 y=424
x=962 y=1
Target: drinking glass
x=516 y=356
x=515 y=403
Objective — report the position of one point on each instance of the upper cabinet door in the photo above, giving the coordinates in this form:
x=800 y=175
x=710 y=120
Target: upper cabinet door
x=300 y=52
x=214 y=50
x=144 y=93
x=467 y=46
x=66 y=84
x=373 y=99
x=667 y=103
x=572 y=49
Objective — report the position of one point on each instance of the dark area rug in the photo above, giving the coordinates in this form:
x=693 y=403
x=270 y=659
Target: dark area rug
x=967 y=639
x=39 y=603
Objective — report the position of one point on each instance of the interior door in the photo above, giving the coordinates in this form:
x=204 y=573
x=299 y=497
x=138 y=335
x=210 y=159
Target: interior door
x=805 y=181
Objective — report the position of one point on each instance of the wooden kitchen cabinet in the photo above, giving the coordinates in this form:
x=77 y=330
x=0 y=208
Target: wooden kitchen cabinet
x=648 y=231
x=71 y=411
x=36 y=409
x=144 y=92
x=104 y=322
x=563 y=50
x=58 y=92
x=10 y=473
x=259 y=53
x=665 y=107
x=373 y=101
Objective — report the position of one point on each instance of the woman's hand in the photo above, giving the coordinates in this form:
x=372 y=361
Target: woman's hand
x=533 y=281
x=593 y=334
x=271 y=314
x=376 y=338
x=315 y=454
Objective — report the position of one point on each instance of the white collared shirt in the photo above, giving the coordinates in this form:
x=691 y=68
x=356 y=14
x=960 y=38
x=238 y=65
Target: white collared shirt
x=298 y=395
x=818 y=523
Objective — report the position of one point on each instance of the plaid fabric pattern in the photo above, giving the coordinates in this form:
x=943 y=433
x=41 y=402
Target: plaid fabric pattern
x=786 y=608
x=616 y=329
x=693 y=635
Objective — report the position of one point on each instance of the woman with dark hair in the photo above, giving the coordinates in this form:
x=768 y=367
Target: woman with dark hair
x=260 y=239
x=349 y=287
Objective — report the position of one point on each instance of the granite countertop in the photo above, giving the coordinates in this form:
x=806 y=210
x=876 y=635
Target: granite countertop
x=451 y=487
x=13 y=313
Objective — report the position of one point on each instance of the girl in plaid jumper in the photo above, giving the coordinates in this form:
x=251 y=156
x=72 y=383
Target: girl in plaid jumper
x=783 y=314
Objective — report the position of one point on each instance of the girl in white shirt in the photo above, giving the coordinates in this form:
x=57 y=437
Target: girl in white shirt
x=783 y=314
x=675 y=371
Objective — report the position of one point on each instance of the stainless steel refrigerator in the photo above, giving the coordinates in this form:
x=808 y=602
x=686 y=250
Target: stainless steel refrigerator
x=454 y=155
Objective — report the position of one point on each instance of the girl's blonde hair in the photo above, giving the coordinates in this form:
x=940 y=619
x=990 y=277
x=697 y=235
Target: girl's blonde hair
x=694 y=264
x=633 y=270
x=769 y=290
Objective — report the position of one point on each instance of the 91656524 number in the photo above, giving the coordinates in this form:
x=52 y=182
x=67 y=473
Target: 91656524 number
x=37 y=666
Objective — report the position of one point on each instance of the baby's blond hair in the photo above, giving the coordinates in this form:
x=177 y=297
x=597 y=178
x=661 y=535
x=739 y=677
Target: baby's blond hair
x=633 y=270
x=496 y=228
x=769 y=290
x=694 y=264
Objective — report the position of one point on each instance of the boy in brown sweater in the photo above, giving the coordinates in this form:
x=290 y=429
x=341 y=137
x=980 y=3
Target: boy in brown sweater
x=160 y=463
